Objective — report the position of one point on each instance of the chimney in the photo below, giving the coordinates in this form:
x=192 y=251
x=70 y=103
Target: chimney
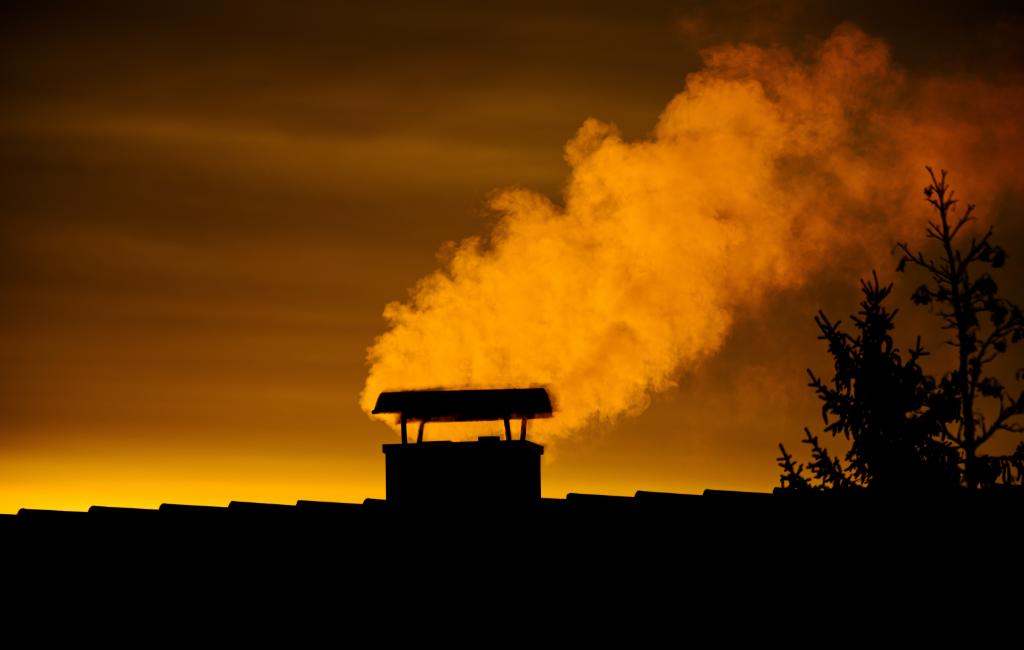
x=490 y=473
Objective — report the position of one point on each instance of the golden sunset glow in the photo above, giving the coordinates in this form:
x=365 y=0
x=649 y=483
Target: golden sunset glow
x=225 y=229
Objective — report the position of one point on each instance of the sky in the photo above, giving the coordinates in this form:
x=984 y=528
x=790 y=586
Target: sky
x=206 y=208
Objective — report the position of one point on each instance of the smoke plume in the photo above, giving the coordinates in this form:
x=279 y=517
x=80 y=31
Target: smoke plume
x=769 y=168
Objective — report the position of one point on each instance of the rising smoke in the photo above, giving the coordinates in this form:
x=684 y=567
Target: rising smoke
x=766 y=169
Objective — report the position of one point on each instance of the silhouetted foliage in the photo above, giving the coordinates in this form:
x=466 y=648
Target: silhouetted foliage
x=908 y=431
x=880 y=401
x=981 y=326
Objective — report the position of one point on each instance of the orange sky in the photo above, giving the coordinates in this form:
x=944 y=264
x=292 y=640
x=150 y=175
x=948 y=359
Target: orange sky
x=205 y=211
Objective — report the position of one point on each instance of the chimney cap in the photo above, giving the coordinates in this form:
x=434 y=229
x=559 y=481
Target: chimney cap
x=466 y=405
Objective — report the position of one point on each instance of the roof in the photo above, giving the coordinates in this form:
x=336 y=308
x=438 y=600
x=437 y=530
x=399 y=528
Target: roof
x=466 y=405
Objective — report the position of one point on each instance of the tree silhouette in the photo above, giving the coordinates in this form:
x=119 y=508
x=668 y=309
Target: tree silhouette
x=907 y=431
x=881 y=402
x=981 y=327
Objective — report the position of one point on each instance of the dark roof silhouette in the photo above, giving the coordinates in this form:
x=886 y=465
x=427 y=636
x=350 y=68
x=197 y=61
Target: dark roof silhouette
x=471 y=513
x=664 y=506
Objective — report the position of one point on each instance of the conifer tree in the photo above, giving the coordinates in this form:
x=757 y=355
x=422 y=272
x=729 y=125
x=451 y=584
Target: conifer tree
x=982 y=326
